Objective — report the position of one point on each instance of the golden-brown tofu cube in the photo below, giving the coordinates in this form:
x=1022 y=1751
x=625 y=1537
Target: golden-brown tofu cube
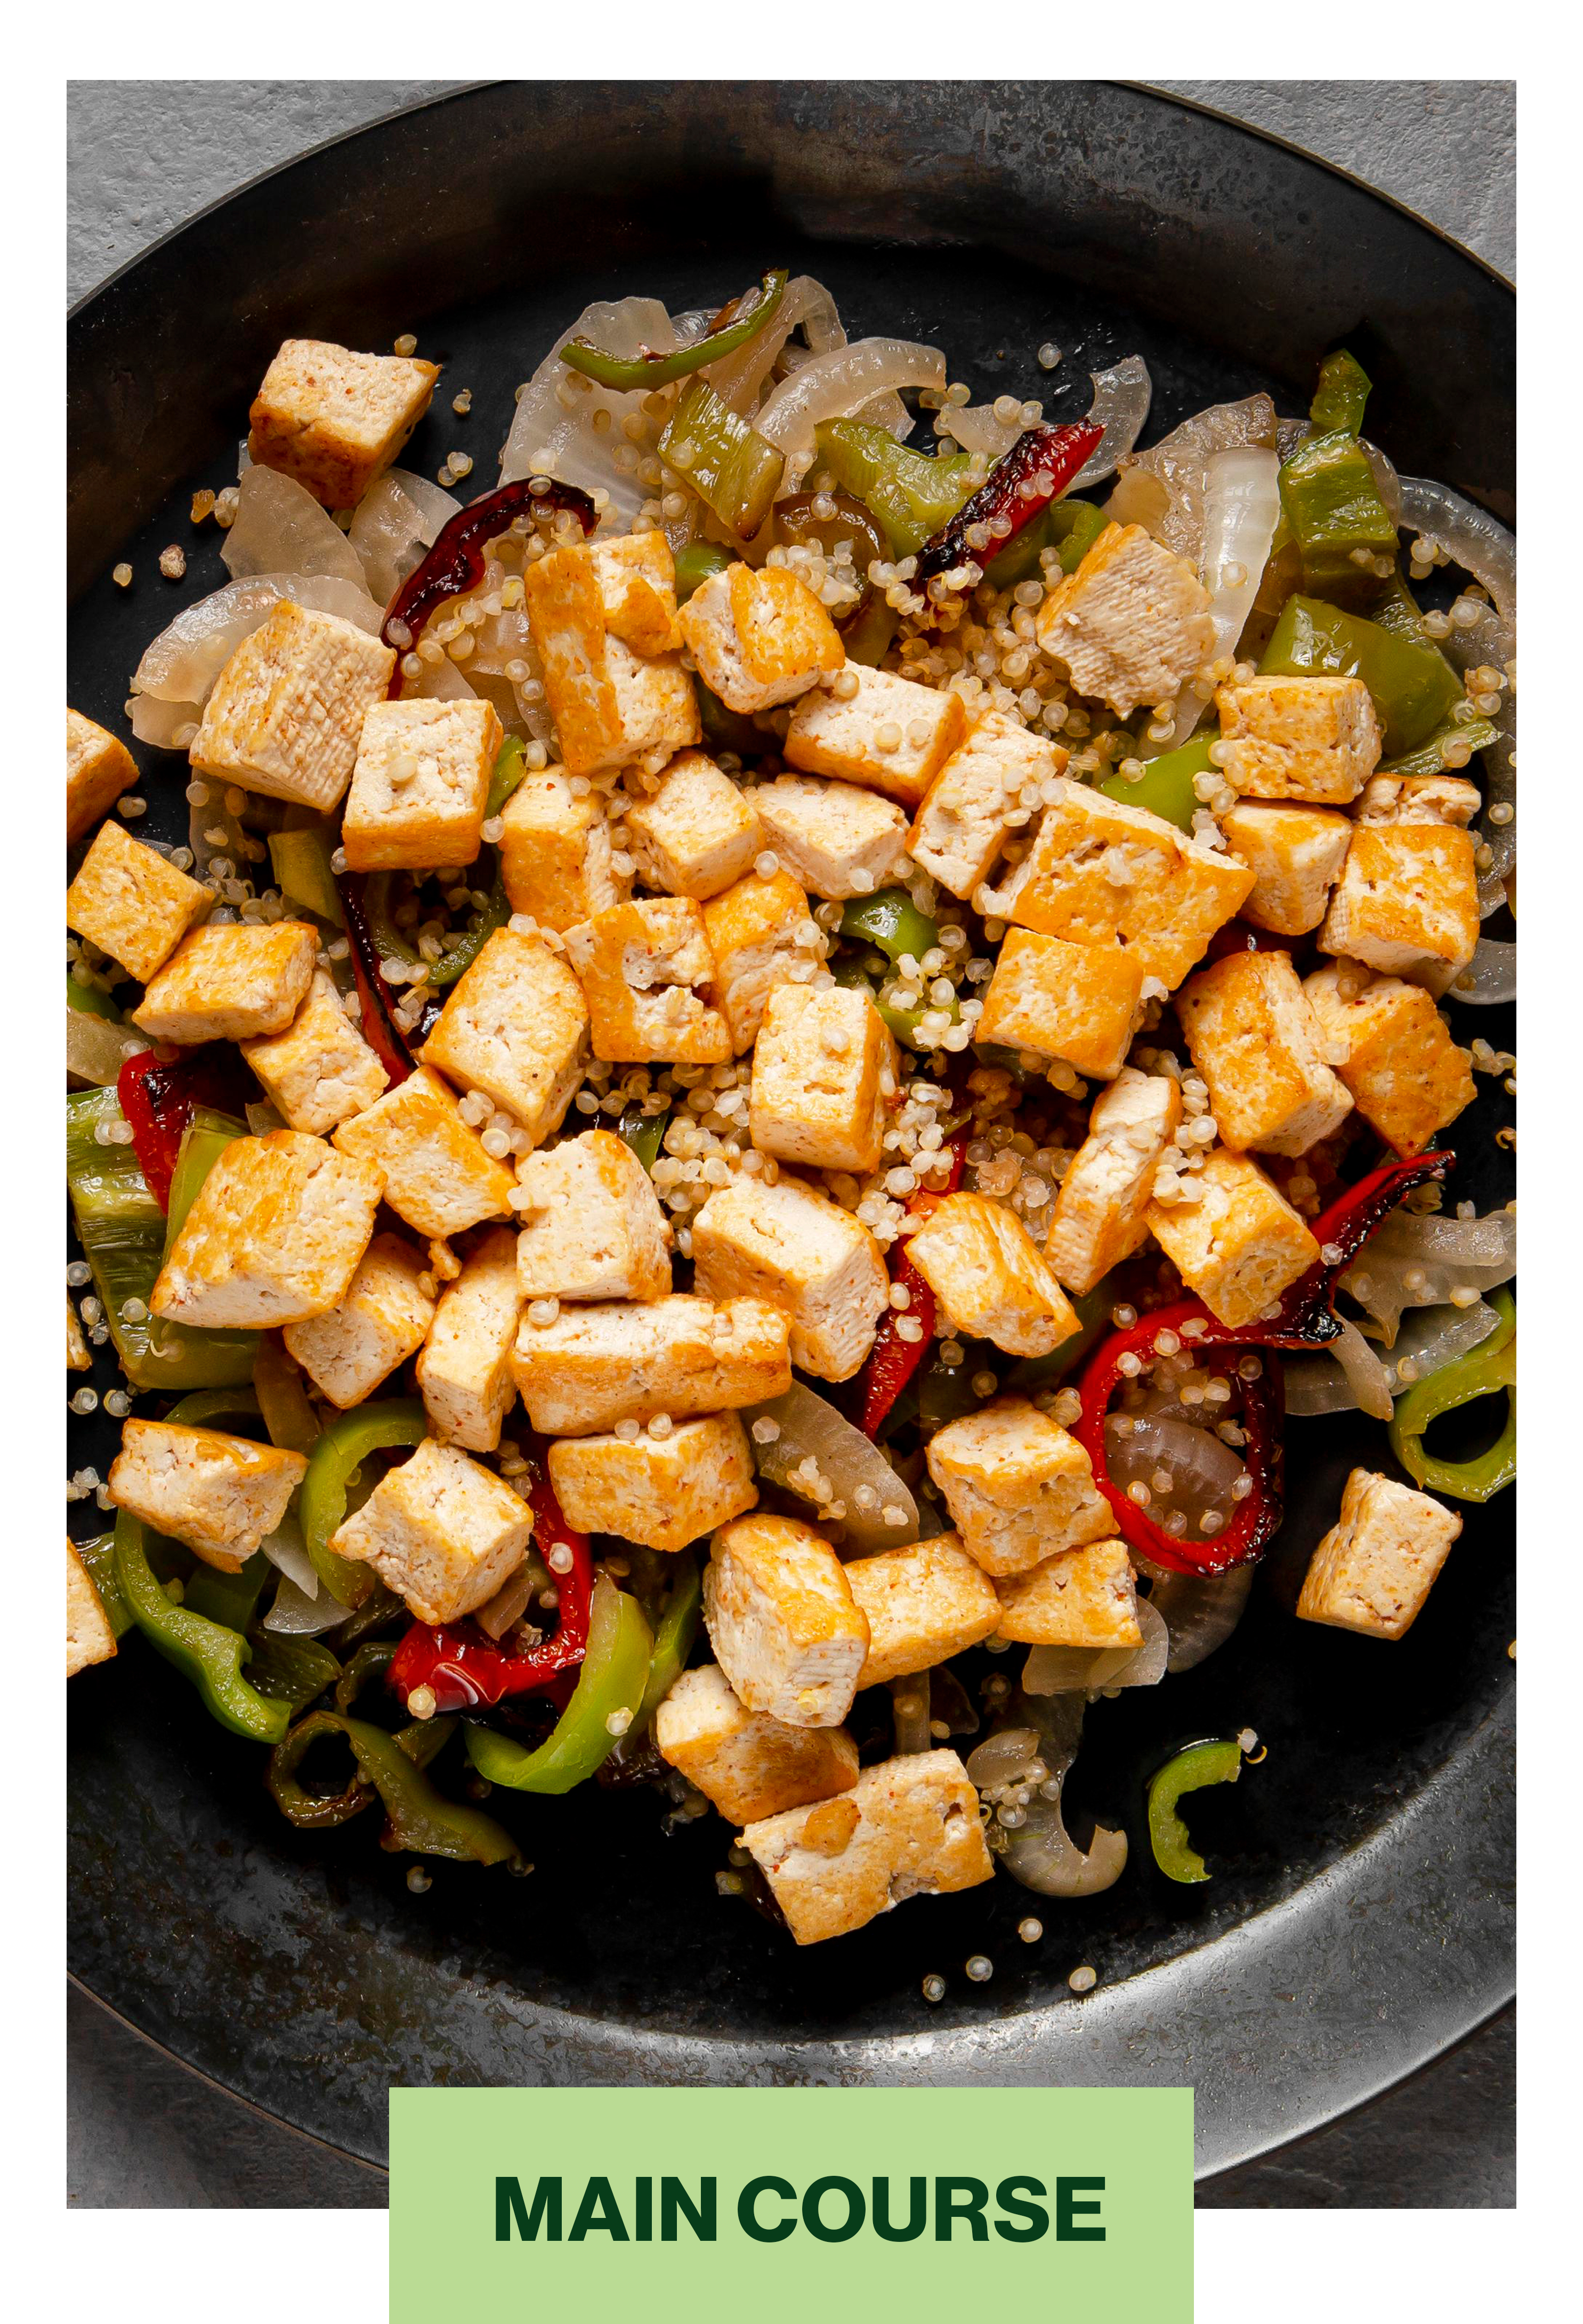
x=320 y=1071
x=1078 y=1597
x=130 y=902
x=516 y=1027
x=1239 y=1245
x=747 y=1765
x=983 y=1267
x=1407 y=902
x=610 y=703
x=1080 y=1002
x=696 y=832
x=382 y=1320
x=465 y=1368
x=1132 y=624
x=99 y=768
x=1444 y=798
x=909 y=1827
x=1019 y=1487
x=636 y=578
x=803 y=1253
x=820 y=1065
x=1393 y=1050
x=336 y=419
x=835 y=839
x=437 y=1174
x=274 y=1235
x=661 y=1491
x=1379 y=1563
x=783 y=1622
x=556 y=853
x=420 y=785
x=1099 y=1215
x=592 y=1223
x=441 y=1530
x=759 y=639
x=286 y=714
x=1295 y=855
x=1257 y=1042
x=888 y=732
x=90 y=1639
x=760 y=934
x=922 y=1604
x=648 y=977
x=1000 y=771
x=593 y=1366
x=221 y=1495
x=230 y=982
x=1298 y=738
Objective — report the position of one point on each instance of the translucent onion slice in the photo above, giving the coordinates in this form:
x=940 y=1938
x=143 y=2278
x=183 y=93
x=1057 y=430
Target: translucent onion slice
x=280 y=527
x=287 y=1551
x=1489 y=642
x=1367 y=1377
x=1201 y=1610
x=553 y=425
x=396 y=521
x=836 y=385
x=1040 y=1852
x=862 y=1480
x=1004 y=1757
x=1092 y=1670
x=1160 y=1437
x=1418 y=1261
x=1473 y=539
x=97 y=1049
x=297 y=1615
x=1317 y=1384
x=1490 y=976
x=910 y=1704
x=1180 y=463
x=975 y=427
x=740 y=380
x=1122 y=397
x=1242 y=508
x=178 y=671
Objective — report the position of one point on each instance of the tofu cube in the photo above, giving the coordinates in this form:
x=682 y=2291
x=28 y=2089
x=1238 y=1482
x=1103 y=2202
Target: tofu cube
x=681 y=1355
x=803 y=1253
x=1299 y=738
x=99 y=768
x=1240 y=1245
x=441 y=1531
x=636 y=579
x=662 y=1492
x=465 y=1368
x=274 y=1235
x=130 y=902
x=1078 y=1597
x=1019 y=1487
x=1379 y=1563
x=782 y=1619
x=834 y=839
x=286 y=714
x=610 y=703
x=555 y=853
x=916 y=1834
x=1257 y=1044
x=1295 y=855
x=1099 y=1215
x=820 y=1066
x=382 y=1320
x=760 y=934
x=336 y=419
x=437 y=1175
x=922 y=1604
x=648 y=977
x=982 y=1266
x=90 y=1639
x=1407 y=903
x=746 y=1765
x=1444 y=798
x=320 y=1071
x=419 y=785
x=1393 y=1050
x=1080 y=1002
x=592 y=1223
x=759 y=639
x=961 y=828
x=229 y=984
x=696 y=833
x=219 y=1494
x=1132 y=624
x=1101 y=872
x=889 y=734
x=516 y=1027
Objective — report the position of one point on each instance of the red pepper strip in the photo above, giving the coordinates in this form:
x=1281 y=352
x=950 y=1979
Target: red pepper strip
x=456 y=562
x=463 y=1667
x=378 y=1027
x=157 y=1101
x=893 y=1360
x=1254 y=1520
x=1044 y=458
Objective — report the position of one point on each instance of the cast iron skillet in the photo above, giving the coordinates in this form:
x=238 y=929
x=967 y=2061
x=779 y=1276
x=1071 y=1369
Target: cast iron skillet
x=1359 y=1919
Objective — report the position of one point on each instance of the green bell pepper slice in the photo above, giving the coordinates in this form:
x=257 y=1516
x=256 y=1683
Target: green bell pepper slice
x=1477 y=733
x=89 y=1001
x=300 y=861
x=347 y=1442
x=1341 y=394
x=510 y=766
x=911 y=495
x=1488 y=1370
x=728 y=464
x=699 y=562
x=230 y=1599
x=419 y=1817
x=1332 y=505
x=1070 y=528
x=903 y=1023
x=644 y=1133
x=728 y=730
x=292 y=1671
x=1165 y=788
x=1414 y=687
x=867 y=636
x=1201 y=1764
x=613 y=1677
x=627 y=372
x=673 y=1639
x=892 y=922
x=99 y=1557
x=207 y=1653
x=203 y=1141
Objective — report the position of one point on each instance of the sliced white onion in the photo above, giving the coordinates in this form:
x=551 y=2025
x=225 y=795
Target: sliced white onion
x=97 y=1049
x=1242 y=508
x=1201 y=1610
x=1367 y=1377
x=1122 y=396
x=510 y=1601
x=740 y=379
x=1490 y=976
x=262 y=1118
x=808 y=1427
x=834 y=386
x=1489 y=641
x=285 y=1549
x=1442 y=1255
x=548 y=432
x=178 y=671
x=1160 y=1435
x=1178 y=465
x=1090 y=1670
x=1473 y=539
x=1040 y=1852
x=396 y=521
x=1434 y=1337
x=280 y=527
x=1004 y=1757
x=975 y=427
x=1387 y=481
x=298 y=1616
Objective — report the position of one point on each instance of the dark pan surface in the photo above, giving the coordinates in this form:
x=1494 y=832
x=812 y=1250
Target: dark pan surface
x=1360 y=1916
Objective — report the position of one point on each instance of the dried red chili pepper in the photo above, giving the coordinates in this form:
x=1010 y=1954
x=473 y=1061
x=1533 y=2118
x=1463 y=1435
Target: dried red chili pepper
x=159 y=1100
x=892 y=1359
x=380 y=1030
x=456 y=562
x=1037 y=470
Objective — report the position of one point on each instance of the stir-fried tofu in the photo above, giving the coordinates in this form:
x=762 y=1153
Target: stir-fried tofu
x=648 y=977
x=1444 y=798
x=922 y=1604
x=909 y=1827
x=820 y=1066
x=1078 y=1597
x=229 y=984
x=592 y=1223
x=1001 y=771
x=437 y=1175
x=1080 y=1002
x=805 y=1255
x=759 y=639
x=274 y=1235
x=439 y=1530
x=747 y=1765
x=664 y=1491
x=760 y=934
x=219 y=1494
x=1257 y=1044
x=610 y=703
x=90 y=1639
x=1295 y=855
x=1239 y=1245
x=516 y=1027
x=1379 y=1561
x=1315 y=739
x=782 y=1619
x=1019 y=1487
x=420 y=785
x=556 y=853
x=1101 y=872
x=464 y=1368
x=889 y=733
x=286 y=714
x=130 y=902
x=1132 y=624
x=334 y=420
x=320 y=1071
x=99 y=768
x=982 y=1265
x=79 y=1357
x=835 y=839
x=1408 y=900
x=636 y=578
x=696 y=833
x=1393 y=1050
x=382 y=1320
x=593 y=1366
x=1099 y=1213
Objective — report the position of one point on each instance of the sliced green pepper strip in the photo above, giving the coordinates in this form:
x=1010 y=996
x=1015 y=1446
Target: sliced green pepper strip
x=673 y=1640
x=1332 y=504
x=626 y=372
x=510 y=766
x=288 y=1418
x=230 y=1598
x=1166 y=786
x=209 y=1407
x=729 y=464
x=207 y=1653
x=1070 y=528
x=391 y=944
x=99 y=1556
x=1341 y=394
x=612 y=1678
x=379 y=1607
x=1413 y=685
x=419 y=1817
x=203 y=1141
x=89 y=1001
x=300 y=861
x=867 y=636
x=912 y=495
x=400 y=1420
x=903 y=1023
x=1488 y=1370
x=292 y=1671
x=891 y=921
x=699 y=562
x=728 y=730
x=1188 y=1771
x=370 y=1662
x=644 y=1133
x=1477 y=733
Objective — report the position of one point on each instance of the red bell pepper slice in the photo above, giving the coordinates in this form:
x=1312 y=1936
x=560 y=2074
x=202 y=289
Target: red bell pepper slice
x=1044 y=460
x=159 y=1101
x=892 y=1359
x=456 y=562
